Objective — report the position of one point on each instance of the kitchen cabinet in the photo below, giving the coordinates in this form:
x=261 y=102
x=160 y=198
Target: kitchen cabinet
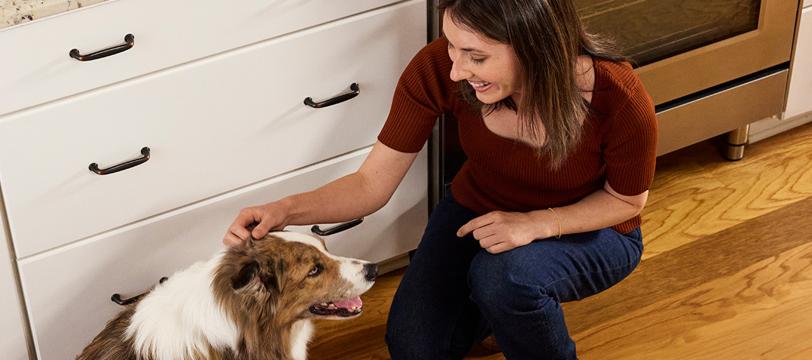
x=198 y=133
x=210 y=110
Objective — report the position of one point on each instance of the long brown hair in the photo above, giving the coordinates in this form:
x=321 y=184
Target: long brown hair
x=547 y=37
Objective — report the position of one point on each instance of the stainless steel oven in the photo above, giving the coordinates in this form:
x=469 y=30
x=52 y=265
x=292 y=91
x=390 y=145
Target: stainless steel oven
x=711 y=66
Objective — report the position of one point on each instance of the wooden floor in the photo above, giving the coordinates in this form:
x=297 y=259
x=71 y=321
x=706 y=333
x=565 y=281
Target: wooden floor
x=727 y=269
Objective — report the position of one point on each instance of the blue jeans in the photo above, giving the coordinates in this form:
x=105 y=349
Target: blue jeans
x=454 y=293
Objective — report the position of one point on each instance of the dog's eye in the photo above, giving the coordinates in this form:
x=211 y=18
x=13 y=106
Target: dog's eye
x=315 y=270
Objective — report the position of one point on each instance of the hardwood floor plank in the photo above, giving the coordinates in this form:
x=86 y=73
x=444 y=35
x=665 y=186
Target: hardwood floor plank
x=764 y=309
x=692 y=198
x=693 y=264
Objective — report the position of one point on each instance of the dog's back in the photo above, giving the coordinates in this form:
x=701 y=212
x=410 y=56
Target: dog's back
x=111 y=343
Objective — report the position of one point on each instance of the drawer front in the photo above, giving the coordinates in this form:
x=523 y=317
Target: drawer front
x=211 y=126
x=68 y=290
x=36 y=66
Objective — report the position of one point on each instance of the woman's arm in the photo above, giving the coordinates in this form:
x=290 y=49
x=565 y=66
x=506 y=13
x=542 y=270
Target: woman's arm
x=355 y=195
x=500 y=231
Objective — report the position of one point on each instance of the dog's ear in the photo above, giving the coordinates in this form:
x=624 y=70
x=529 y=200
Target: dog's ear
x=244 y=276
x=271 y=276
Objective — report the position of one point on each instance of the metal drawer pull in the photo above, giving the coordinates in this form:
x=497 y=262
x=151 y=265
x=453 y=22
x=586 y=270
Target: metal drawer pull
x=353 y=91
x=123 y=302
x=123 y=166
x=129 y=41
x=336 y=229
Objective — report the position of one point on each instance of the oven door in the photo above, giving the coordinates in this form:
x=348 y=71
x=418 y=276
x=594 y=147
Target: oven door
x=682 y=47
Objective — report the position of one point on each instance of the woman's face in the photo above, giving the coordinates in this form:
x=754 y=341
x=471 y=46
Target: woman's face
x=492 y=68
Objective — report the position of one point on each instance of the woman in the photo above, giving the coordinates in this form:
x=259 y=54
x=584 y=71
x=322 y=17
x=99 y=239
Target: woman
x=560 y=137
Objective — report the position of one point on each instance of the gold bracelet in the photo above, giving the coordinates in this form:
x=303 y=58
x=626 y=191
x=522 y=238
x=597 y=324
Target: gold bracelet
x=557 y=219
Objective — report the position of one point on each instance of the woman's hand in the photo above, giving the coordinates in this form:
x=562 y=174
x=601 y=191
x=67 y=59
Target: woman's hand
x=499 y=231
x=256 y=222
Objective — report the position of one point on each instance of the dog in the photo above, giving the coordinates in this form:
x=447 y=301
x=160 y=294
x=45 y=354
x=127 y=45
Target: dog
x=255 y=301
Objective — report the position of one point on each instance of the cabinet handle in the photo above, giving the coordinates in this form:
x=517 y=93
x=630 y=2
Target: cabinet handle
x=123 y=166
x=116 y=298
x=129 y=41
x=353 y=91
x=335 y=229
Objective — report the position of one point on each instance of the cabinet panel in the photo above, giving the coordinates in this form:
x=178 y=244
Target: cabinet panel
x=211 y=126
x=36 y=67
x=13 y=345
x=68 y=290
x=799 y=100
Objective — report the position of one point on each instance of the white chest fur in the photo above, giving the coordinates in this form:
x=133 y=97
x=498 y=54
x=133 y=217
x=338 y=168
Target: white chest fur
x=182 y=316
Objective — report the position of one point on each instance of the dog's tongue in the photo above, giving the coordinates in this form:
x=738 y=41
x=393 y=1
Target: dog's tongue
x=349 y=304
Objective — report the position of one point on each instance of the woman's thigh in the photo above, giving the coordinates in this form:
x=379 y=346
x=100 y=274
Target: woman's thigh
x=570 y=268
x=432 y=301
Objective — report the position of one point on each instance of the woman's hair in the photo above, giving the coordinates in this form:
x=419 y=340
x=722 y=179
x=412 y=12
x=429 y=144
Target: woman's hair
x=547 y=37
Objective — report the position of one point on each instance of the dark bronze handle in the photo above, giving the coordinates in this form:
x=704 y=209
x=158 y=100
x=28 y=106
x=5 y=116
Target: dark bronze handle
x=129 y=41
x=123 y=166
x=335 y=229
x=123 y=302
x=353 y=92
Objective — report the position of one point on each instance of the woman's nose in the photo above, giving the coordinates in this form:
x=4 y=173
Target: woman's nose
x=458 y=73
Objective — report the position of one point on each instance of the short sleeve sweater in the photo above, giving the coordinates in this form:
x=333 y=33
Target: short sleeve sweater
x=618 y=145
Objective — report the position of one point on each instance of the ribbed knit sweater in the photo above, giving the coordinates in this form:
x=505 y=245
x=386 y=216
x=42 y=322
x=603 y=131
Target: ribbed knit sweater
x=618 y=144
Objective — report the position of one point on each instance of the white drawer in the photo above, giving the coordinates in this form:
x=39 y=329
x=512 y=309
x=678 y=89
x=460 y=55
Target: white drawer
x=36 y=68
x=68 y=290
x=212 y=126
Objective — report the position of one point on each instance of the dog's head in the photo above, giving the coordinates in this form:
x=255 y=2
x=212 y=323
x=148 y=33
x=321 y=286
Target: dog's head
x=287 y=276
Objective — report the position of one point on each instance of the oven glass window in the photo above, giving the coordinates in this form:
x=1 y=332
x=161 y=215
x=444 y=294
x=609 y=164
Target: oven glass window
x=650 y=30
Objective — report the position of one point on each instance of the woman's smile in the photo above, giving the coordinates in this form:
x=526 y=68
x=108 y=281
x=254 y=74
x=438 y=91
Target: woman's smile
x=480 y=86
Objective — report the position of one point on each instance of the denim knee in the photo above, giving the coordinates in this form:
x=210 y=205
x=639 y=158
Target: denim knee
x=495 y=288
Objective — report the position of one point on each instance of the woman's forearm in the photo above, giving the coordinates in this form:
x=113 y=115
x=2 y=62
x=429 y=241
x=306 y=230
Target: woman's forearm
x=596 y=211
x=349 y=197
x=353 y=196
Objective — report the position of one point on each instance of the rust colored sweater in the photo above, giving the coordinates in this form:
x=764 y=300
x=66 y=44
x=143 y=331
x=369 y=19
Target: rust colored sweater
x=618 y=143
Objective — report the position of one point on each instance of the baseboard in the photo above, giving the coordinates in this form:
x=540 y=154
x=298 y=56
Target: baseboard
x=765 y=128
x=392 y=264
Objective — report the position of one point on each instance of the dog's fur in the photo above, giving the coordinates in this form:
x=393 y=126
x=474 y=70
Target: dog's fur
x=250 y=302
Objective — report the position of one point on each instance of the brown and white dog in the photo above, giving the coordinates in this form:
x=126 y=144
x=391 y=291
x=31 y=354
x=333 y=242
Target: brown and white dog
x=254 y=301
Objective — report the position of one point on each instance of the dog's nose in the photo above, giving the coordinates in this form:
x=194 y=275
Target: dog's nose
x=370 y=271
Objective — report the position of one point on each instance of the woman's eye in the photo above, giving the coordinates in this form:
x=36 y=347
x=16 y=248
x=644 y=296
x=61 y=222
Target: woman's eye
x=477 y=60
x=315 y=270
